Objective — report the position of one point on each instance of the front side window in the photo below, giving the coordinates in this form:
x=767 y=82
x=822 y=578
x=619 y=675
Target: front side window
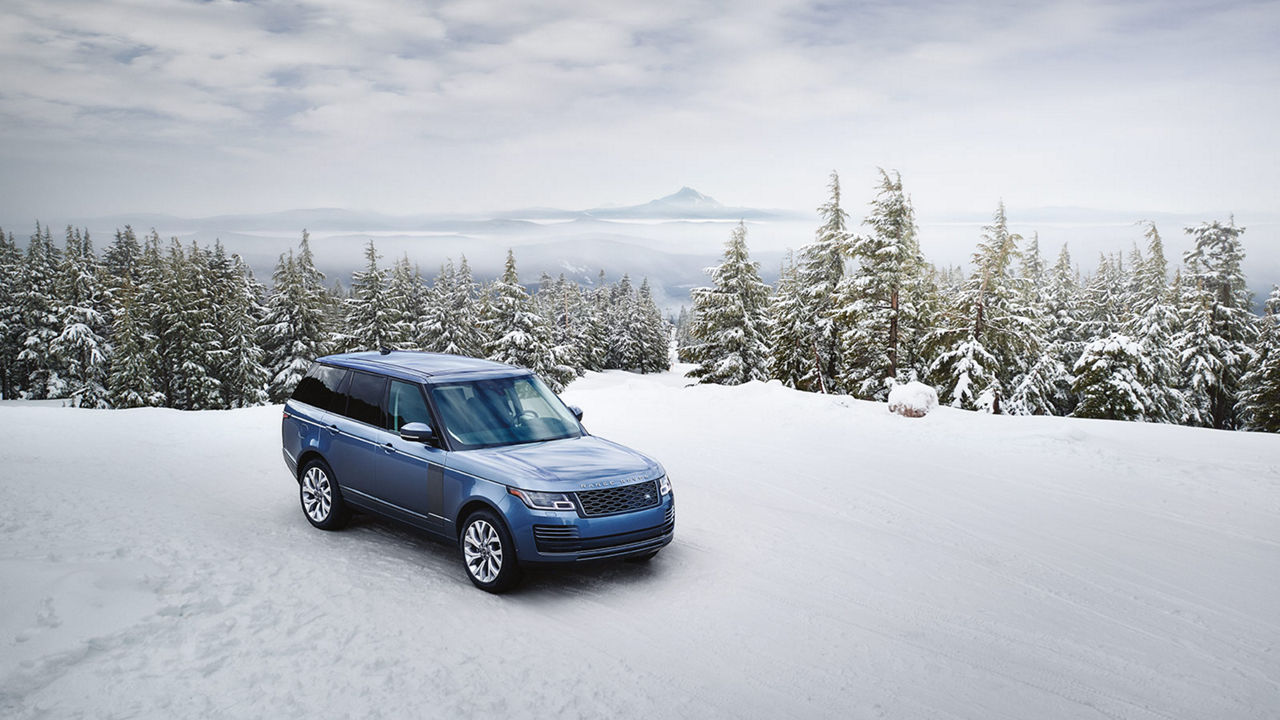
x=502 y=411
x=405 y=405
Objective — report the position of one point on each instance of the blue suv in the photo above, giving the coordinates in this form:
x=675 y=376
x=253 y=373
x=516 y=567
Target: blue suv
x=475 y=451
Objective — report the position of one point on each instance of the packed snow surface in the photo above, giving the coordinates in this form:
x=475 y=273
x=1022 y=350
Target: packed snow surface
x=831 y=560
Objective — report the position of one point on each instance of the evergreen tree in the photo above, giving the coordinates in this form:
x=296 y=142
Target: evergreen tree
x=294 y=329
x=11 y=329
x=519 y=335
x=449 y=322
x=123 y=256
x=1112 y=380
x=238 y=314
x=80 y=348
x=791 y=357
x=406 y=297
x=188 y=336
x=1259 y=404
x=1105 y=297
x=982 y=343
x=819 y=271
x=731 y=322
x=371 y=316
x=1154 y=325
x=655 y=335
x=874 y=306
x=154 y=288
x=131 y=383
x=1218 y=329
x=36 y=299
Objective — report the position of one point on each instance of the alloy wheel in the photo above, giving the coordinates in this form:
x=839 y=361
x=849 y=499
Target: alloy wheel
x=482 y=550
x=317 y=494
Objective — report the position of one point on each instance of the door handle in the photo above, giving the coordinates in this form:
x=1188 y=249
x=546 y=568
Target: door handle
x=333 y=429
x=389 y=448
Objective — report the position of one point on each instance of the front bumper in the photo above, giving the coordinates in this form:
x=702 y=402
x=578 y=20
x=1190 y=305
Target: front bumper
x=556 y=538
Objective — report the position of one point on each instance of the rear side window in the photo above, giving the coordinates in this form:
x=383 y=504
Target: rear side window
x=320 y=386
x=405 y=405
x=365 y=394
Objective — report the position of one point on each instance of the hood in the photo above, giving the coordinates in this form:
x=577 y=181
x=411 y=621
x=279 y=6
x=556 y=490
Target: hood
x=557 y=465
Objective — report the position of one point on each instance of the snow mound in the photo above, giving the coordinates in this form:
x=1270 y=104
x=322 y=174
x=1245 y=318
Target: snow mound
x=913 y=399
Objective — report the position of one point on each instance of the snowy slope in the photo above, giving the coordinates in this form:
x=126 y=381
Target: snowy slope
x=831 y=560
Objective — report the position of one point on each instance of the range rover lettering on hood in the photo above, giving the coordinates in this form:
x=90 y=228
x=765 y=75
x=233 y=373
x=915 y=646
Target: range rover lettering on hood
x=611 y=483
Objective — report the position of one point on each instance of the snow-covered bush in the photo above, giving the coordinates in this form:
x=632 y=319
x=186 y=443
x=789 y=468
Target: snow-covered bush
x=913 y=399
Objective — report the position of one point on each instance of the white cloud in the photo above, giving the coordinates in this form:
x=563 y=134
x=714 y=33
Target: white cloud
x=1115 y=104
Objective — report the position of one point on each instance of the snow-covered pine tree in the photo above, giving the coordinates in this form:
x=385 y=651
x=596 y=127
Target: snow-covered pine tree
x=684 y=334
x=450 y=322
x=1259 y=404
x=982 y=344
x=790 y=356
x=130 y=383
x=655 y=332
x=406 y=297
x=371 y=317
x=520 y=335
x=36 y=297
x=732 y=319
x=122 y=257
x=81 y=348
x=11 y=332
x=1154 y=323
x=568 y=315
x=625 y=343
x=238 y=314
x=874 y=308
x=1051 y=299
x=1219 y=329
x=154 y=287
x=189 y=335
x=295 y=327
x=1113 y=380
x=819 y=270
x=598 y=324
x=1105 y=295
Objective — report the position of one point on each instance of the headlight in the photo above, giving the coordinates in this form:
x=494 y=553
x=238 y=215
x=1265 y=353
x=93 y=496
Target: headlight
x=544 y=500
x=664 y=485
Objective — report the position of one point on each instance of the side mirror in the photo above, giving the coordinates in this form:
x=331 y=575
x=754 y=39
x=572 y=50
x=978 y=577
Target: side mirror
x=418 y=432
x=577 y=412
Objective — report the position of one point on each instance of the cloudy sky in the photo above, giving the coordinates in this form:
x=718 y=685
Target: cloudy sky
x=194 y=108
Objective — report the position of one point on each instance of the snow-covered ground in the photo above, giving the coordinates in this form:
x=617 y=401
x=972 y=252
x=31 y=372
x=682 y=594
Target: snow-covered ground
x=831 y=560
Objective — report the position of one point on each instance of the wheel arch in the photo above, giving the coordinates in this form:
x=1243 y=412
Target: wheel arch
x=474 y=504
x=305 y=459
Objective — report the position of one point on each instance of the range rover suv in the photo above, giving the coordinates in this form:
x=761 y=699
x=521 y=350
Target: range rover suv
x=478 y=452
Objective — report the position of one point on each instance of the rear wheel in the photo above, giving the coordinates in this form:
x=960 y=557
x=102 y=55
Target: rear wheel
x=321 y=498
x=489 y=553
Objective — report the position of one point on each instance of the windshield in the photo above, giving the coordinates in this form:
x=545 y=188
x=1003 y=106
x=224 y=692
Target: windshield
x=502 y=411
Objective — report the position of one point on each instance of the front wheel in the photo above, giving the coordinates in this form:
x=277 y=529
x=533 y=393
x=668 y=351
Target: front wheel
x=488 y=553
x=321 y=499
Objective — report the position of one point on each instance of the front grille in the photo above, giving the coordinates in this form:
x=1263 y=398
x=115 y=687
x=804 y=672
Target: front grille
x=626 y=498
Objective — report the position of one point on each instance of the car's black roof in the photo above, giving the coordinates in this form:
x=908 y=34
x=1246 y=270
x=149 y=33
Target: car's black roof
x=420 y=366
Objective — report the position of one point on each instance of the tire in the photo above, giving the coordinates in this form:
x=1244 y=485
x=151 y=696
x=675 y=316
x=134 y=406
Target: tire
x=321 y=497
x=488 y=552
x=643 y=558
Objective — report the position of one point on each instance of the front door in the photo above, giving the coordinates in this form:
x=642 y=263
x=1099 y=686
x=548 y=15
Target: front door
x=411 y=474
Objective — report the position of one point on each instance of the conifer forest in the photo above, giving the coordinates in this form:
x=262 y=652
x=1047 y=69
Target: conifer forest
x=858 y=309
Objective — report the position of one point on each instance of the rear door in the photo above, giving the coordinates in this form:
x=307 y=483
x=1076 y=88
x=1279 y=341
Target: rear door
x=357 y=427
x=411 y=474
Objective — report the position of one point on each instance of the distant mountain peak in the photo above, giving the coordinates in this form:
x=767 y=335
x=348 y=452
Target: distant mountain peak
x=688 y=196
